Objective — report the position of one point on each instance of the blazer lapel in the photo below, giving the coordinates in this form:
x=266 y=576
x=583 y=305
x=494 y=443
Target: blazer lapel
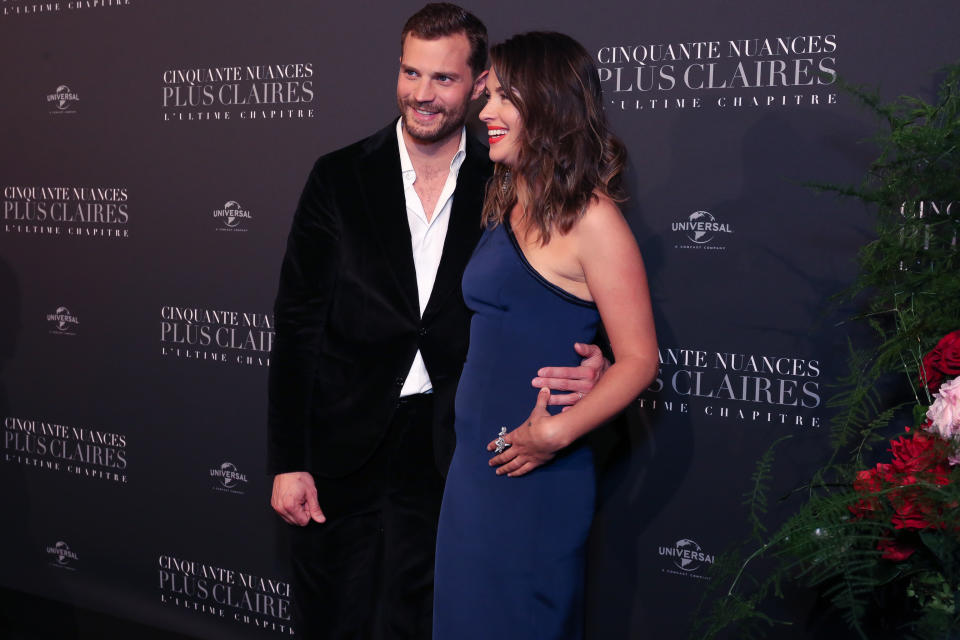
x=382 y=184
x=464 y=229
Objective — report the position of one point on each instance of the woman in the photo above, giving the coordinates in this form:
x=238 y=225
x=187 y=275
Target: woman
x=557 y=258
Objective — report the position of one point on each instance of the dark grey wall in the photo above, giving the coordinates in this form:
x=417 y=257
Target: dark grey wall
x=134 y=308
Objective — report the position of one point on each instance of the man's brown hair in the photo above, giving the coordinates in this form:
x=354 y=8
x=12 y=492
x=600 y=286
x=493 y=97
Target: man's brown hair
x=441 y=19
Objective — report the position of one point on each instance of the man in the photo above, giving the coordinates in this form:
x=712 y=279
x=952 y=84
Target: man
x=371 y=335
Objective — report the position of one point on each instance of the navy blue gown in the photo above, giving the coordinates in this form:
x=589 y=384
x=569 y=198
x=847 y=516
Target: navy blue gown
x=510 y=551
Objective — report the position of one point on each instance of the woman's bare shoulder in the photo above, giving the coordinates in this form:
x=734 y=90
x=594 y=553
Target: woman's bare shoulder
x=601 y=218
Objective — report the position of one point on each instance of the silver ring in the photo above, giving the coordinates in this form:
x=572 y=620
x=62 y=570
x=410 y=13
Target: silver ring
x=580 y=394
x=502 y=445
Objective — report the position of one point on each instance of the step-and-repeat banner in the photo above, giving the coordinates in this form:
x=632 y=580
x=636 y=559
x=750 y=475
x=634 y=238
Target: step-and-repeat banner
x=151 y=156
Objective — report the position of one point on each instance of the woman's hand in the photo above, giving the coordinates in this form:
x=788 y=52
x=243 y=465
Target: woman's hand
x=532 y=444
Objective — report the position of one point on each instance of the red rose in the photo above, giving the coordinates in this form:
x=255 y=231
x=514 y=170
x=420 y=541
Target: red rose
x=942 y=362
x=892 y=551
x=867 y=482
x=917 y=458
x=920 y=454
x=920 y=458
x=913 y=511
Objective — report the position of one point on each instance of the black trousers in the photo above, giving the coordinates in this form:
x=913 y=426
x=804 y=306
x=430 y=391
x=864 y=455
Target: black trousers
x=367 y=572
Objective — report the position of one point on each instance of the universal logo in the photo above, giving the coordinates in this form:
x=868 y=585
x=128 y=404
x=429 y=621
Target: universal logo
x=229 y=479
x=687 y=559
x=232 y=217
x=62 y=99
x=62 y=556
x=700 y=231
x=64 y=323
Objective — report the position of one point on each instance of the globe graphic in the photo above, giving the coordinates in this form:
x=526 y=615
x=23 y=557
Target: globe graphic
x=232 y=221
x=63 y=102
x=62 y=324
x=701 y=237
x=687 y=564
x=62 y=548
x=227 y=481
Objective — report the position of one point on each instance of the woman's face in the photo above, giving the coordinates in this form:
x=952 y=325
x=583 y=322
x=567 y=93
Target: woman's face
x=503 y=123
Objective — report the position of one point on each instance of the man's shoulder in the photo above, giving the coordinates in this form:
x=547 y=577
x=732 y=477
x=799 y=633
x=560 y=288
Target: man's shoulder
x=382 y=148
x=346 y=157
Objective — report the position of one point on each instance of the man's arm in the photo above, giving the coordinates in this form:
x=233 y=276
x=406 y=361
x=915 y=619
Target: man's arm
x=580 y=380
x=307 y=278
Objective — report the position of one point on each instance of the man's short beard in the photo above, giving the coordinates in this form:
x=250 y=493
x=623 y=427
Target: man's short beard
x=451 y=122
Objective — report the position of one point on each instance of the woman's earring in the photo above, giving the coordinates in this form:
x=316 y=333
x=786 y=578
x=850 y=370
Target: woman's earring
x=505 y=183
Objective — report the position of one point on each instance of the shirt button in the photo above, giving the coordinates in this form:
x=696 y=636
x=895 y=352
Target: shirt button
x=423 y=331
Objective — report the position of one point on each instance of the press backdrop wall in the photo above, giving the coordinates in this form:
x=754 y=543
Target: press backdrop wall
x=151 y=156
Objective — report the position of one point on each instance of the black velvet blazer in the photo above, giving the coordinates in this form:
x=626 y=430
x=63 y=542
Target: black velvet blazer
x=347 y=315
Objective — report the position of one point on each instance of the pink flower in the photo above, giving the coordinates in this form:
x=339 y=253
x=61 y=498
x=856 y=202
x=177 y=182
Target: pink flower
x=944 y=415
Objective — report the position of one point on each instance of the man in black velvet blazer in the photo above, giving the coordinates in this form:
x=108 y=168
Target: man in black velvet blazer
x=347 y=319
x=359 y=466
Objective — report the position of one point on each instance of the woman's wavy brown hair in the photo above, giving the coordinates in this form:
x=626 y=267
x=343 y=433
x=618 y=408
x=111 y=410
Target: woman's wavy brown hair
x=567 y=153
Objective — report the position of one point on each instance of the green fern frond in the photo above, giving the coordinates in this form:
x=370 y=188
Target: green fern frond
x=756 y=499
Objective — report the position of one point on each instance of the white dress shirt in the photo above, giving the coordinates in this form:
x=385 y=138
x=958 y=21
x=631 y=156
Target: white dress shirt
x=427 y=238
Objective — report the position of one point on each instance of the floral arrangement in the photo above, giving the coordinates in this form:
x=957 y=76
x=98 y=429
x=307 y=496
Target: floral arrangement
x=906 y=491
x=878 y=543
x=882 y=548
x=881 y=545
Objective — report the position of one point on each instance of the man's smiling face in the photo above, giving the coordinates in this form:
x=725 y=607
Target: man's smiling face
x=435 y=86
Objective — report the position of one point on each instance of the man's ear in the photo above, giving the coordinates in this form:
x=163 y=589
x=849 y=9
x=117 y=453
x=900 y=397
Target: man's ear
x=479 y=84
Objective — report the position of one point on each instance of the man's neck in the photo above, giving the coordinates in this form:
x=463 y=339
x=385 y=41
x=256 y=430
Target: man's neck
x=438 y=153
